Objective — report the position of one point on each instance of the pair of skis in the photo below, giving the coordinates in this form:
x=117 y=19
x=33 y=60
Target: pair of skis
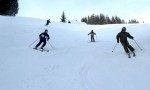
x=42 y=50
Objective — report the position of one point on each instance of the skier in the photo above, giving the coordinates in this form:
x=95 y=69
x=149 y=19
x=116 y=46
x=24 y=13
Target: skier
x=47 y=22
x=43 y=37
x=123 y=39
x=92 y=35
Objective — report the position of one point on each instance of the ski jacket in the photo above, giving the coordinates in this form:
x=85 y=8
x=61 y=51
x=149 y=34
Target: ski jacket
x=92 y=33
x=44 y=36
x=48 y=21
x=123 y=36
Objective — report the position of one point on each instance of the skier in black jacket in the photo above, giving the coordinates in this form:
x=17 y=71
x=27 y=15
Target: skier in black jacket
x=43 y=38
x=123 y=39
x=47 y=22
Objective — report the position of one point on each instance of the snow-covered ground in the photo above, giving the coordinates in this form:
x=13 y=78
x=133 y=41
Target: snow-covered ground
x=73 y=63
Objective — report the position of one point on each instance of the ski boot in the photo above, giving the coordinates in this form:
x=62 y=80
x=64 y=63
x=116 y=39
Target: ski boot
x=128 y=55
x=35 y=48
x=42 y=48
x=133 y=53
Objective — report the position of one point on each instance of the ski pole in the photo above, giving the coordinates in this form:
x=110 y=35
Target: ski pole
x=89 y=38
x=96 y=37
x=114 y=47
x=50 y=44
x=33 y=42
x=137 y=44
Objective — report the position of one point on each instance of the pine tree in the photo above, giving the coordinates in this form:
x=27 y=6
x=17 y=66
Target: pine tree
x=133 y=21
x=97 y=19
x=113 y=20
x=63 y=17
x=9 y=7
x=108 y=21
x=84 y=19
x=92 y=19
x=122 y=21
x=102 y=19
x=118 y=20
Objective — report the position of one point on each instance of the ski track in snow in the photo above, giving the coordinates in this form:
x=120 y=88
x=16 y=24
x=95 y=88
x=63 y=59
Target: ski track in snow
x=74 y=63
x=86 y=84
x=40 y=75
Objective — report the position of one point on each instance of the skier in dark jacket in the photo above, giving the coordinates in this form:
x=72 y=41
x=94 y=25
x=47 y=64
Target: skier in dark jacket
x=92 y=36
x=47 y=22
x=43 y=38
x=123 y=39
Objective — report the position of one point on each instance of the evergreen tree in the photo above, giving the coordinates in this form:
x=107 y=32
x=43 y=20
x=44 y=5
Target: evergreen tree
x=102 y=19
x=117 y=20
x=122 y=21
x=97 y=19
x=108 y=21
x=84 y=19
x=89 y=21
x=92 y=18
x=63 y=17
x=133 y=21
x=113 y=20
x=9 y=7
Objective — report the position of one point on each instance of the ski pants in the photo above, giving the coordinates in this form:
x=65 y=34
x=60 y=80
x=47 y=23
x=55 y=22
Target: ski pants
x=127 y=46
x=92 y=39
x=41 y=41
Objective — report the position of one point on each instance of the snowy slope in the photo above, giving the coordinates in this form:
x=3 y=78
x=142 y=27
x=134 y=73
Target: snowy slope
x=74 y=63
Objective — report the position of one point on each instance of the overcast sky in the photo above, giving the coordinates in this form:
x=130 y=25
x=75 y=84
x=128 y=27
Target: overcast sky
x=77 y=9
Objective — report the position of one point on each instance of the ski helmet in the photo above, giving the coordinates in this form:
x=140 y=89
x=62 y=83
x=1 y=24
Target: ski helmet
x=46 y=30
x=123 y=29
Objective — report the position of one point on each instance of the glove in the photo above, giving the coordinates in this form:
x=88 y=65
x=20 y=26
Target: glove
x=132 y=37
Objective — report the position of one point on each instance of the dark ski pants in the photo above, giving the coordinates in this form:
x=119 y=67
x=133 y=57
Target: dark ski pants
x=47 y=23
x=41 y=41
x=92 y=39
x=127 y=46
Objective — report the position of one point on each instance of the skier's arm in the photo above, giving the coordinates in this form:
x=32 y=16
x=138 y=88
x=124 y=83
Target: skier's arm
x=117 y=37
x=131 y=37
x=40 y=35
x=90 y=33
x=48 y=37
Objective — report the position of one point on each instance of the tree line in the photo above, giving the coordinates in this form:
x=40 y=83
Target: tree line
x=104 y=19
x=133 y=21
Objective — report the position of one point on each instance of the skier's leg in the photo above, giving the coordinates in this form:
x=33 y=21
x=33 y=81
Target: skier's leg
x=132 y=49
x=38 y=44
x=129 y=46
x=125 y=47
x=91 y=38
x=44 y=43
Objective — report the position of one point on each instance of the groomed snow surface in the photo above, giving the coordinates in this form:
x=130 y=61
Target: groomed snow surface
x=74 y=63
